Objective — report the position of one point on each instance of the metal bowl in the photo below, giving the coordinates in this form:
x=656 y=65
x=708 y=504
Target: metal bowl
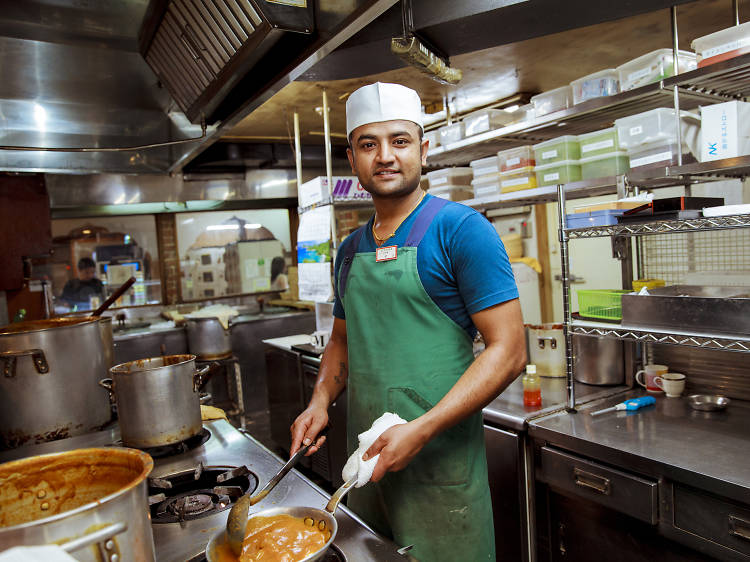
x=708 y=402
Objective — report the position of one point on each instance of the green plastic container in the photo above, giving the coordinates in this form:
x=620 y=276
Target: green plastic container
x=604 y=165
x=599 y=142
x=558 y=172
x=557 y=150
x=601 y=304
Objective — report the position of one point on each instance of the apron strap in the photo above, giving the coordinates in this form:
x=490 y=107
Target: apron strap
x=346 y=265
x=423 y=221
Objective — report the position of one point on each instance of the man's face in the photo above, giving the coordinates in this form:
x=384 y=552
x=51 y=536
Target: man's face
x=387 y=157
x=87 y=273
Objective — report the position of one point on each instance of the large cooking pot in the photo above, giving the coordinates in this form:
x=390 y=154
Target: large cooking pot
x=158 y=402
x=207 y=339
x=108 y=340
x=48 y=385
x=92 y=502
x=598 y=361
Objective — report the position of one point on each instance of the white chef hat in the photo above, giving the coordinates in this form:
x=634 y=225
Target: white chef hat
x=382 y=101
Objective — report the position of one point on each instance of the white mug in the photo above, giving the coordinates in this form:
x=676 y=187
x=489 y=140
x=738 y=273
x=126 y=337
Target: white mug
x=320 y=338
x=651 y=371
x=671 y=383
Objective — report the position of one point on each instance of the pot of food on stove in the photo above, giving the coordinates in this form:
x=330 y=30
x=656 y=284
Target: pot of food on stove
x=158 y=399
x=90 y=502
x=48 y=385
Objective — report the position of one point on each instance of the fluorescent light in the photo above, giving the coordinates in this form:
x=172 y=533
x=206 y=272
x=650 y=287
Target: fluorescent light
x=253 y=225
x=223 y=227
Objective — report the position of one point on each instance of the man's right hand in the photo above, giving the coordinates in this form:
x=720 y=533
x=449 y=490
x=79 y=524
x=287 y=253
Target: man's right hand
x=306 y=428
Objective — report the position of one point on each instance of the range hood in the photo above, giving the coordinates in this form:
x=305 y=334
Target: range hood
x=201 y=49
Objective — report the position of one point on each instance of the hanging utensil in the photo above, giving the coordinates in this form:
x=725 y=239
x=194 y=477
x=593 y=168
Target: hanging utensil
x=114 y=296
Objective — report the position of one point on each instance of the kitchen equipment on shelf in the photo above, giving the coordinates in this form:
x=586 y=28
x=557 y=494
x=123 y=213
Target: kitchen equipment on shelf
x=219 y=550
x=158 y=400
x=629 y=405
x=602 y=304
x=654 y=66
x=547 y=349
x=95 y=496
x=708 y=402
x=597 y=85
x=650 y=372
x=722 y=45
x=42 y=361
x=598 y=361
x=673 y=384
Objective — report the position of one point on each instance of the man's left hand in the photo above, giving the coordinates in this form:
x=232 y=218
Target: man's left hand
x=397 y=446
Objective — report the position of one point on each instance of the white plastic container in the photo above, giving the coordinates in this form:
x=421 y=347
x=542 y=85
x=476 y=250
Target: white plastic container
x=725 y=130
x=453 y=192
x=722 y=45
x=485 y=167
x=604 y=165
x=433 y=137
x=598 y=142
x=567 y=147
x=515 y=180
x=514 y=158
x=450 y=176
x=486 y=185
x=523 y=113
x=556 y=173
x=657 y=126
x=451 y=133
x=486 y=120
x=656 y=155
x=552 y=100
x=652 y=67
x=596 y=85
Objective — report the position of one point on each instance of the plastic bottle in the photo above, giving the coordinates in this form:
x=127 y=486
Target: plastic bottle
x=532 y=391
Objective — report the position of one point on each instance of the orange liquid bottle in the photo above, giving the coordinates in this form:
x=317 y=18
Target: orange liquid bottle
x=532 y=391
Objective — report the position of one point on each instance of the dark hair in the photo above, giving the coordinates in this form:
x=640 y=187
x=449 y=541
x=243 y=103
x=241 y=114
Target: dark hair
x=277 y=267
x=86 y=263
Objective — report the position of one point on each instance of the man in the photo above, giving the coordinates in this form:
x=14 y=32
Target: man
x=412 y=288
x=78 y=292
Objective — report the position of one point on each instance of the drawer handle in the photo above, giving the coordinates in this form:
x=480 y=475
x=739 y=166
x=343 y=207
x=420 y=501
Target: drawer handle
x=591 y=481
x=739 y=527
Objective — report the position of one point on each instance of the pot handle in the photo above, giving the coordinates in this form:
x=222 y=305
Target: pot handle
x=339 y=494
x=102 y=537
x=9 y=359
x=198 y=377
x=107 y=385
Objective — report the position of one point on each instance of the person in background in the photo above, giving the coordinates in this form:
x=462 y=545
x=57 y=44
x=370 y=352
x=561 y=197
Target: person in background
x=78 y=292
x=279 y=281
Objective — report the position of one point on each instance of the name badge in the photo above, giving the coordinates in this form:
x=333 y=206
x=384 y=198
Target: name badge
x=386 y=253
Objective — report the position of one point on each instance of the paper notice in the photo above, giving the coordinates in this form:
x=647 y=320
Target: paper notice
x=315 y=282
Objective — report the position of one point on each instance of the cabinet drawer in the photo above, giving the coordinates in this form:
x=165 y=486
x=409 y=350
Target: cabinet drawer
x=620 y=491
x=713 y=518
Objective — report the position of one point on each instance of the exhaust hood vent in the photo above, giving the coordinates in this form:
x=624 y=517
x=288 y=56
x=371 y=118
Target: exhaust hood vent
x=200 y=49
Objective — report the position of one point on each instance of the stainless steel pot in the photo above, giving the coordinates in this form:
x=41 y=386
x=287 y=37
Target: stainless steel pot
x=48 y=386
x=158 y=402
x=207 y=339
x=598 y=361
x=108 y=340
x=92 y=502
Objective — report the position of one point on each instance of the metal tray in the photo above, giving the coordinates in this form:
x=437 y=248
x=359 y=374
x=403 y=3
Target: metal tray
x=704 y=309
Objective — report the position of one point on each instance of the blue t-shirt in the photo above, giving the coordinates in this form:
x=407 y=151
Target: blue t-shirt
x=461 y=262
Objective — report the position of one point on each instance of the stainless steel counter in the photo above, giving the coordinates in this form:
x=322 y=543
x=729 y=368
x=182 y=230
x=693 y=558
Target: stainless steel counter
x=706 y=449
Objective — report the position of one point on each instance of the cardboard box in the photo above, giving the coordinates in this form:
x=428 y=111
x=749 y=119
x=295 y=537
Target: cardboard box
x=725 y=130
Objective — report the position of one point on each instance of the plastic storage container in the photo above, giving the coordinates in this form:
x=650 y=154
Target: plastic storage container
x=485 y=167
x=655 y=126
x=515 y=158
x=486 y=185
x=486 y=120
x=599 y=142
x=722 y=45
x=451 y=133
x=515 y=180
x=602 y=304
x=652 y=67
x=658 y=154
x=597 y=85
x=558 y=172
x=450 y=176
x=453 y=192
x=552 y=100
x=593 y=218
x=433 y=137
x=523 y=113
x=557 y=150
x=603 y=165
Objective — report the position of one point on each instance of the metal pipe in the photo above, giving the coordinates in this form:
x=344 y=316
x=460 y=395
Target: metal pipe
x=567 y=316
x=329 y=165
x=736 y=12
x=297 y=150
x=675 y=60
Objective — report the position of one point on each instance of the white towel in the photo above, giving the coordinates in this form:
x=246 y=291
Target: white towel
x=355 y=464
x=46 y=553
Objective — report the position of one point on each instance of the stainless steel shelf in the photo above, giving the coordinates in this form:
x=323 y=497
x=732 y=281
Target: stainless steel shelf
x=724 y=342
x=701 y=224
x=698 y=172
x=339 y=204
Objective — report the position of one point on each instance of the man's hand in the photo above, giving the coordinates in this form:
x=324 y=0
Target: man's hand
x=397 y=446
x=306 y=428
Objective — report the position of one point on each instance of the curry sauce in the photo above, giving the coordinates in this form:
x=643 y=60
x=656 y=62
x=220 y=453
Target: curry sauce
x=281 y=538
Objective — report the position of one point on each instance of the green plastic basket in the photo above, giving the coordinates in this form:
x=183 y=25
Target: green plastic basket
x=602 y=304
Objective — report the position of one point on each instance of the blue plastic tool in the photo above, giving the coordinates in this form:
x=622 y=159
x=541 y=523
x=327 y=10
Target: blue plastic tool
x=631 y=405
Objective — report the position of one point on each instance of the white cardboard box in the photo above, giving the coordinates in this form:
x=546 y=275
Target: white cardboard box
x=725 y=130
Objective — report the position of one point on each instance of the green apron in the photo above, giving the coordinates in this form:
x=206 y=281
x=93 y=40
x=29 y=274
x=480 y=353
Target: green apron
x=405 y=354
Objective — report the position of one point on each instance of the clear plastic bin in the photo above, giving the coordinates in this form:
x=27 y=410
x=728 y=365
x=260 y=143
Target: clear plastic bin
x=451 y=133
x=597 y=85
x=486 y=186
x=599 y=142
x=523 y=113
x=453 y=192
x=515 y=158
x=655 y=126
x=485 y=167
x=557 y=150
x=450 y=176
x=558 y=172
x=722 y=45
x=652 y=67
x=486 y=120
x=433 y=137
x=552 y=100
x=516 y=180
x=604 y=165
x=658 y=154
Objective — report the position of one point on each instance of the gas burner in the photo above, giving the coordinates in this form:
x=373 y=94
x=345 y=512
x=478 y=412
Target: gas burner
x=178 y=448
x=199 y=492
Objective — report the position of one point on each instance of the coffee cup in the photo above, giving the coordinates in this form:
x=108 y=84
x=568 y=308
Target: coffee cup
x=651 y=372
x=320 y=338
x=671 y=383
